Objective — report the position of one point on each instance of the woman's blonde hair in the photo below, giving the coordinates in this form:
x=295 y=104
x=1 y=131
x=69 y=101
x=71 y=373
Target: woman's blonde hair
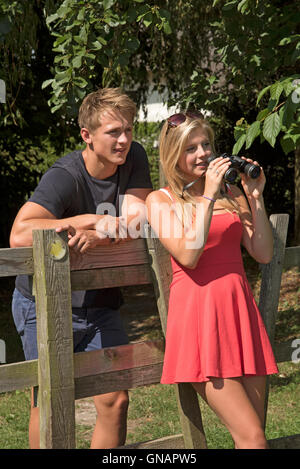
x=172 y=142
x=104 y=100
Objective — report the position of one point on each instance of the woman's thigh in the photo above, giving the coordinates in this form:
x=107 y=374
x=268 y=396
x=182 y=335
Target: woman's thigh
x=230 y=401
x=255 y=387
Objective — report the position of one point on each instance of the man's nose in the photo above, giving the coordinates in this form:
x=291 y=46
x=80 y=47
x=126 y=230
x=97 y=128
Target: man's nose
x=123 y=137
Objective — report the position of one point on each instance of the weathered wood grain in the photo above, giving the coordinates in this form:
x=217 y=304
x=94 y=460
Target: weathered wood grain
x=18 y=375
x=118 y=358
x=111 y=277
x=271 y=281
x=161 y=271
x=283 y=351
x=271 y=274
x=117 y=380
x=55 y=339
x=291 y=257
x=16 y=261
x=132 y=252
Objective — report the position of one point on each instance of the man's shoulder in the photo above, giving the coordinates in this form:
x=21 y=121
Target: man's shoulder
x=136 y=155
x=136 y=149
x=71 y=159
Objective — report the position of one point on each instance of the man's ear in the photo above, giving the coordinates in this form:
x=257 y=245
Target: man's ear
x=86 y=135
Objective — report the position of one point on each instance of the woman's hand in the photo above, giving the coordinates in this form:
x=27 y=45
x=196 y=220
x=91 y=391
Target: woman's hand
x=214 y=176
x=253 y=187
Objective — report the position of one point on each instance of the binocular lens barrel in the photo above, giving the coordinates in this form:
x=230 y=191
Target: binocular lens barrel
x=238 y=164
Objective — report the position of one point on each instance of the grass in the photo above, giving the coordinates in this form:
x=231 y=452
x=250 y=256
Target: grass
x=153 y=409
x=153 y=414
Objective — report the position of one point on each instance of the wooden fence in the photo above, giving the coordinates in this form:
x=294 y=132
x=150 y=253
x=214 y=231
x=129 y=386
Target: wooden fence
x=62 y=376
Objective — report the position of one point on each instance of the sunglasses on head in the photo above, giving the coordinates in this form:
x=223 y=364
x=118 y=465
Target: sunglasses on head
x=177 y=119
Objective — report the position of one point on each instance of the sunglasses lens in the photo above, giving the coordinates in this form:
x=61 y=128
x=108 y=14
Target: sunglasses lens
x=195 y=115
x=176 y=119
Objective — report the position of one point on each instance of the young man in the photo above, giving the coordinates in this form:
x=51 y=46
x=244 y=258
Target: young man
x=70 y=196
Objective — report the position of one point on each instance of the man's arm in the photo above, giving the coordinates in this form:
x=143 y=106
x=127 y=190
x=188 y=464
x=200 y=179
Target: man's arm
x=132 y=217
x=33 y=216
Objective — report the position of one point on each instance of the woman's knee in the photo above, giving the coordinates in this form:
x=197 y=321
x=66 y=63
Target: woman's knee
x=254 y=439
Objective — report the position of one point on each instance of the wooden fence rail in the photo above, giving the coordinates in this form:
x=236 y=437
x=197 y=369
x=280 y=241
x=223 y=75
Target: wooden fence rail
x=63 y=376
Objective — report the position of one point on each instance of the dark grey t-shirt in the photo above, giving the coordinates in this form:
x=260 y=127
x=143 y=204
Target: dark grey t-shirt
x=67 y=190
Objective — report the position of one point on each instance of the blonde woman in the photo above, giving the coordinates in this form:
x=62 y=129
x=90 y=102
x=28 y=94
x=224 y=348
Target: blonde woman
x=215 y=339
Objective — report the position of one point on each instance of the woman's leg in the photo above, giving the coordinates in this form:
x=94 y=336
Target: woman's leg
x=255 y=387
x=229 y=400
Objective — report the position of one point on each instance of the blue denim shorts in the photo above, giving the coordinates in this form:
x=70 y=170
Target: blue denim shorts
x=93 y=328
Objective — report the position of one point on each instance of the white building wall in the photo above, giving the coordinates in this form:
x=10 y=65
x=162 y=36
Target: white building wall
x=156 y=109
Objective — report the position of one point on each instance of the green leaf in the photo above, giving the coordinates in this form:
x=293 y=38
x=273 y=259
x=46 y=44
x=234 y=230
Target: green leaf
x=80 y=81
x=47 y=83
x=148 y=19
x=108 y=4
x=132 y=44
x=96 y=45
x=238 y=145
x=262 y=114
x=262 y=92
x=271 y=128
x=252 y=132
x=229 y=5
x=51 y=18
x=289 y=39
x=287 y=144
x=77 y=61
x=167 y=27
x=275 y=91
x=256 y=59
x=143 y=10
x=243 y=6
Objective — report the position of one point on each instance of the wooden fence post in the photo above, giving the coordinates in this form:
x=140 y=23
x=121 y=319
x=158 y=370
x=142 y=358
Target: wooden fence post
x=52 y=290
x=187 y=398
x=271 y=281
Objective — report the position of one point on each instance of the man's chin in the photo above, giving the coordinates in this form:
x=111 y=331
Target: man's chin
x=120 y=159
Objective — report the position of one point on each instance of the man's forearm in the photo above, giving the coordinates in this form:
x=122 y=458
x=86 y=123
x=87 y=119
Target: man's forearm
x=21 y=234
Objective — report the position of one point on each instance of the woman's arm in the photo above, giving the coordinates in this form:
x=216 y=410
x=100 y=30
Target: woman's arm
x=184 y=241
x=257 y=235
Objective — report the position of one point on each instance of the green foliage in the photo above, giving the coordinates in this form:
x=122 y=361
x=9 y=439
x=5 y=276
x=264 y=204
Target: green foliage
x=233 y=58
x=258 y=46
x=96 y=42
x=147 y=134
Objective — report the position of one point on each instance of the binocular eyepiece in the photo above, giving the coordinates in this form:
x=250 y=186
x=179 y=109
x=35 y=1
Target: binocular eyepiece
x=238 y=165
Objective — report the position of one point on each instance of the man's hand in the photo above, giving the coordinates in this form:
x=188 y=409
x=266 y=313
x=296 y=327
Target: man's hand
x=69 y=228
x=113 y=228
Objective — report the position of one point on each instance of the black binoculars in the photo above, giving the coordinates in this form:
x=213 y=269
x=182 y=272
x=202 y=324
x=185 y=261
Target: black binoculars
x=238 y=165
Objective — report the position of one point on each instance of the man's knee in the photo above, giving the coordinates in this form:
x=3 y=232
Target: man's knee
x=112 y=403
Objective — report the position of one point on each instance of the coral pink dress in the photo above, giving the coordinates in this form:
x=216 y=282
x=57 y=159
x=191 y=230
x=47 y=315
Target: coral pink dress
x=214 y=327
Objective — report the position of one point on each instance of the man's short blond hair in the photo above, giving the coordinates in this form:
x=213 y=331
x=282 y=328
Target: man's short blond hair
x=104 y=100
